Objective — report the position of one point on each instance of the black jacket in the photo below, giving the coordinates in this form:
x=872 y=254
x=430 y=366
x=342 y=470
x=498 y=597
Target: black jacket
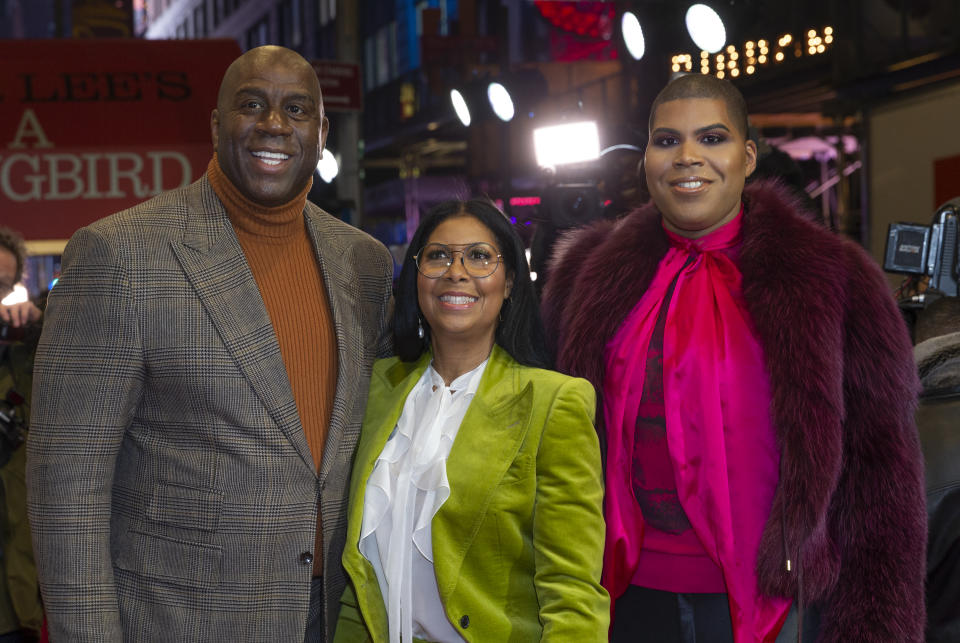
x=938 y=360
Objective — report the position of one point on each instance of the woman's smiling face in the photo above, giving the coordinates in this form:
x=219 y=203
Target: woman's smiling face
x=696 y=164
x=457 y=306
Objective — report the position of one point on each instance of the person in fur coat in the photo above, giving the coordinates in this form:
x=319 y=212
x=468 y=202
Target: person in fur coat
x=756 y=393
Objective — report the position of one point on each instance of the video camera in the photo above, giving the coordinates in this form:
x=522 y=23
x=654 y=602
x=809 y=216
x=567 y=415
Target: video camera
x=931 y=250
x=13 y=430
x=27 y=334
x=569 y=205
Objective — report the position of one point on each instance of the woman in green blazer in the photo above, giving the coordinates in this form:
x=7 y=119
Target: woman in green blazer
x=476 y=496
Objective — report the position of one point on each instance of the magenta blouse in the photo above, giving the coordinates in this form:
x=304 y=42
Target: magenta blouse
x=719 y=434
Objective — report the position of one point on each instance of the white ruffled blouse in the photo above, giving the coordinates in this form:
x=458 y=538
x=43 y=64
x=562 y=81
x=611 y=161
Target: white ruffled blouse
x=406 y=489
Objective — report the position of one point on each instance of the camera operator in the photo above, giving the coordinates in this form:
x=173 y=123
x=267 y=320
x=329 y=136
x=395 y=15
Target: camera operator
x=21 y=615
x=615 y=187
x=930 y=302
x=621 y=182
x=937 y=354
x=12 y=256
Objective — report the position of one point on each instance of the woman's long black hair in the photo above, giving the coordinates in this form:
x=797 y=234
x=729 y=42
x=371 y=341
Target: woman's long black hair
x=521 y=331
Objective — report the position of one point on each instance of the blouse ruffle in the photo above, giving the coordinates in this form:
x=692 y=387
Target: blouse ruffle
x=409 y=484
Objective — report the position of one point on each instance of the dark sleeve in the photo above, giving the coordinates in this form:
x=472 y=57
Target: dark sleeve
x=569 y=255
x=879 y=510
x=937 y=421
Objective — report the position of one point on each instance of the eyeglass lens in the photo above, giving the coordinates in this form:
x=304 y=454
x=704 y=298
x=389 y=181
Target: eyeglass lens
x=479 y=259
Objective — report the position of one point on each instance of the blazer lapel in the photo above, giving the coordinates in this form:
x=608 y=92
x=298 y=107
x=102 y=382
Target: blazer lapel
x=389 y=390
x=216 y=267
x=486 y=444
x=340 y=281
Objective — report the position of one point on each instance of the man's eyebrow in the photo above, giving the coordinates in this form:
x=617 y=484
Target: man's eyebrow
x=253 y=90
x=714 y=126
x=699 y=130
x=303 y=97
x=249 y=89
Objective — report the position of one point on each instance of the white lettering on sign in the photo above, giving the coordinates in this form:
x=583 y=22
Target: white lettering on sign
x=108 y=175
x=29 y=127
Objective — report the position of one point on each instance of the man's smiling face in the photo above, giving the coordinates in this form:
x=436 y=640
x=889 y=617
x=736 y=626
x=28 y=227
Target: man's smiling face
x=696 y=163
x=268 y=128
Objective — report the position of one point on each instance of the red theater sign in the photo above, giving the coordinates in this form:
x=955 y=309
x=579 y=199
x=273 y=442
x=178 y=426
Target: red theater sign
x=90 y=127
x=339 y=84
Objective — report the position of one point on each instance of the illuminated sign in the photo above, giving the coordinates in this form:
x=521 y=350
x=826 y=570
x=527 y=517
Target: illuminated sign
x=755 y=55
x=89 y=127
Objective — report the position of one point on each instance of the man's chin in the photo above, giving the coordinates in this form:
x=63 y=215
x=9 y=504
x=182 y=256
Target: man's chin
x=270 y=194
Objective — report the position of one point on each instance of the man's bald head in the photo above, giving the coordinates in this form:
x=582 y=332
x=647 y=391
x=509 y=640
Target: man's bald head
x=262 y=56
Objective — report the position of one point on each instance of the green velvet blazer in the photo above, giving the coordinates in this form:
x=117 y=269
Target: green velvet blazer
x=518 y=545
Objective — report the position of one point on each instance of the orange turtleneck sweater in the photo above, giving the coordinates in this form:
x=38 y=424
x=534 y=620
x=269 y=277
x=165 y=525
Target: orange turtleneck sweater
x=284 y=265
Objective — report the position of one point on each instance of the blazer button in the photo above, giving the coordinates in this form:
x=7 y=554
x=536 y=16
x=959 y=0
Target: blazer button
x=306 y=558
x=464 y=621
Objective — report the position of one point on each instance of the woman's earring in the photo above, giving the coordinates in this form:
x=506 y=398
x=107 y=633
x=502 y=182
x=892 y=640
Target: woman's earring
x=419 y=327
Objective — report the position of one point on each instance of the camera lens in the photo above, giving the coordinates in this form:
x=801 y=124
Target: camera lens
x=10 y=334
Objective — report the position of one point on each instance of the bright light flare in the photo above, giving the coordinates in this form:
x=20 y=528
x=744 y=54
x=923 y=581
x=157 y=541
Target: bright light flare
x=328 y=166
x=18 y=296
x=567 y=143
x=460 y=107
x=706 y=28
x=632 y=35
x=500 y=101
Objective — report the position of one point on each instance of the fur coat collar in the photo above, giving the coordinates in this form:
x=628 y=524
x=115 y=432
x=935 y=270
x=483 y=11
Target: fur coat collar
x=849 y=508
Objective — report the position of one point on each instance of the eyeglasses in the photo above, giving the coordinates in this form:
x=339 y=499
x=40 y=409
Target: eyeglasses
x=478 y=259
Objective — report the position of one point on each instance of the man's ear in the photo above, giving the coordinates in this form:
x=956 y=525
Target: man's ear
x=215 y=127
x=324 y=130
x=751 y=149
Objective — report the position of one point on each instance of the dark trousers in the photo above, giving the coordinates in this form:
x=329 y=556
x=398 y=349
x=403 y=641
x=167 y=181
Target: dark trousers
x=18 y=637
x=315 y=624
x=643 y=614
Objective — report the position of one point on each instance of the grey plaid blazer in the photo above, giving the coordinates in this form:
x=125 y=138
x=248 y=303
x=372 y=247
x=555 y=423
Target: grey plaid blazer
x=171 y=489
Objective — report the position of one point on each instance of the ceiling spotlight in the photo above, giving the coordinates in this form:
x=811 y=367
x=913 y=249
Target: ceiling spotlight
x=500 y=101
x=632 y=35
x=511 y=94
x=516 y=92
x=460 y=106
x=706 y=28
x=328 y=166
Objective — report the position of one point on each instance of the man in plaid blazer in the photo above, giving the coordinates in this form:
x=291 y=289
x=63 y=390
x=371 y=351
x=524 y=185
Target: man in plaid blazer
x=174 y=482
